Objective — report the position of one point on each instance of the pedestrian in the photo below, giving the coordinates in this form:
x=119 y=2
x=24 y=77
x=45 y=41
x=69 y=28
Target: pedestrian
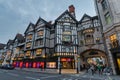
x=92 y=68
x=40 y=67
x=99 y=68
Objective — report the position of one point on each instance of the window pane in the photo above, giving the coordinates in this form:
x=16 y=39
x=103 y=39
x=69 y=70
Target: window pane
x=107 y=18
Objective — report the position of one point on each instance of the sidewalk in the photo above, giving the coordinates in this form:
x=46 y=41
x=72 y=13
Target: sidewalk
x=54 y=71
x=97 y=76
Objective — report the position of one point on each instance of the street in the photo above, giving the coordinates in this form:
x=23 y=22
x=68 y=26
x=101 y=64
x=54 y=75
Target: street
x=24 y=75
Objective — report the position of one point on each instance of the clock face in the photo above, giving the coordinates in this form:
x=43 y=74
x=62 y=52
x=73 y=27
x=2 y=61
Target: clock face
x=66 y=38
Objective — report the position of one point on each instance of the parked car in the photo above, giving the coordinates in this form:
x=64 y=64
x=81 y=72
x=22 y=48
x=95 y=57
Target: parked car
x=7 y=66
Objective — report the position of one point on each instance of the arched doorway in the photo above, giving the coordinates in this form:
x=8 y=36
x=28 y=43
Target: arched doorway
x=93 y=56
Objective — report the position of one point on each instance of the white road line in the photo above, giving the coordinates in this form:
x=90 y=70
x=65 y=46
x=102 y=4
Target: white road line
x=12 y=74
x=48 y=77
x=31 y=78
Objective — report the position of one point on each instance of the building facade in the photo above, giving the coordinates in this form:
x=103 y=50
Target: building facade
x=66 y=39
x=8 y=52
x=68 y=43
x=109 y=13
x=2 y=52
x=91 y=44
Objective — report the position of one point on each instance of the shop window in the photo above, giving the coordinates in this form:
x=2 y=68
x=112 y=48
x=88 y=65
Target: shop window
x=108 y=18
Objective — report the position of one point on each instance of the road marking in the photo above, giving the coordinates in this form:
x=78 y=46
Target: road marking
x=31 y=78
x=48 y=77
x=12 y=74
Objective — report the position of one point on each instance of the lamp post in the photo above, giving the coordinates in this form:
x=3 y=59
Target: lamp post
x=59 y=61
x=76 y=58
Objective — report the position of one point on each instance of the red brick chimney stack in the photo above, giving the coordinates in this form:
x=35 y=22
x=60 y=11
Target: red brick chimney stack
x=72 y=10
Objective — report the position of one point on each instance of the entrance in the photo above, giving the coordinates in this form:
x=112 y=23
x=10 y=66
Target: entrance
x=118 y=62
x=93 y=56
x=67 y=63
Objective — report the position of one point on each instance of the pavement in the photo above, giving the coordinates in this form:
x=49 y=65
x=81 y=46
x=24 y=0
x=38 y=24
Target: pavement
x=72 y=72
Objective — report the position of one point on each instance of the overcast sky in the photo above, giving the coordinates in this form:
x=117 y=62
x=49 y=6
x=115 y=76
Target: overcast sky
x=15 y=15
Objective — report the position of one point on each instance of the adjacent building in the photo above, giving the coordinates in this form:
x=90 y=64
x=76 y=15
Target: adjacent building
x=91 y=44
x=2 y=52
x=109 y=15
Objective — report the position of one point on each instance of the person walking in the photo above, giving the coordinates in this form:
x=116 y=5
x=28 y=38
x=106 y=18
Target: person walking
x=92 y=69
x=99 y=68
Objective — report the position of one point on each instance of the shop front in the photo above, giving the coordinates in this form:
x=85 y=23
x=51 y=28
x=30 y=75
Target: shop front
x=67 y=63
x=116 y=59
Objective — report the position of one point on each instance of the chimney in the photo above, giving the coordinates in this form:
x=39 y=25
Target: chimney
x=72 y=10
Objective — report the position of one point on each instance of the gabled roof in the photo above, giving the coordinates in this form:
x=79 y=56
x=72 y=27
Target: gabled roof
x=46 y=23
x=66 y=12
x=19 y=37
x=30 y=24
x=85 y=15
x=10 y=42
x=2 y=46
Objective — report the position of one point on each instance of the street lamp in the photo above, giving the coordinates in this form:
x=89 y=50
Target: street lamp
x=59 y=62
x=76 y=57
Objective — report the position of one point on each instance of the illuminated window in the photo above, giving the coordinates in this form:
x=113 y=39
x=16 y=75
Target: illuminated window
x=89 y=39
x=28 y=45
x=38 y=51
x=21 y=55
x=29 y=37
x=97 y=40
x=108 y=18
x=113 y=37
x=28 y=53
x=114 y=42
x=40 y=33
